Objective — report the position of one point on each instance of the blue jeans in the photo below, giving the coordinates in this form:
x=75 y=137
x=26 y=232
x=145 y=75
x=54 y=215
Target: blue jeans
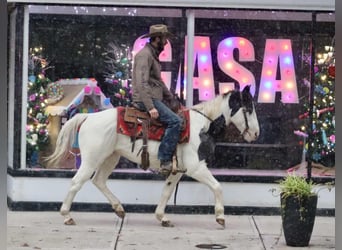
x=172 y=132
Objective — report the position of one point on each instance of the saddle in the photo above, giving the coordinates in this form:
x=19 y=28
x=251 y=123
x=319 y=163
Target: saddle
x=137 y=117
x=134 y=115
x=141 y=125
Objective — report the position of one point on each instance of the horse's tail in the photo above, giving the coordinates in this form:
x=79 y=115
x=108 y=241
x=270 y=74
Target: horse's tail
x=66 y=138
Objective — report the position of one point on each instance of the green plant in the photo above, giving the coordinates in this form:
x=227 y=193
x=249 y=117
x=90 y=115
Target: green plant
x=294 y=185
x=297 y=186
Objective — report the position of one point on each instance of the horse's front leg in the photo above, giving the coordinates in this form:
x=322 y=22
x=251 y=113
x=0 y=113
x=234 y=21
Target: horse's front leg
x=168 y=188
x=203 y=175
x=100 y=178
x=82 y=175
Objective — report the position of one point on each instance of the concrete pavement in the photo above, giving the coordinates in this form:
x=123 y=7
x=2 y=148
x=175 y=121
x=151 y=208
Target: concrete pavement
x=138 y=231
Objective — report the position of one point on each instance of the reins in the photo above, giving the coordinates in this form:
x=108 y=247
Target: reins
x=246 y=122
x=203 y=114
x=244 y=110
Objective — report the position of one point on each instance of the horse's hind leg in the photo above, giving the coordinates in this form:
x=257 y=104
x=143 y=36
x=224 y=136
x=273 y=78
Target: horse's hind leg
x=203 y=175
x=82 y=175
x=100 y=179
x=168 y=188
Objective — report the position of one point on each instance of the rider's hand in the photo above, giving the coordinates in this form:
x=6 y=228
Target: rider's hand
x=154 y=113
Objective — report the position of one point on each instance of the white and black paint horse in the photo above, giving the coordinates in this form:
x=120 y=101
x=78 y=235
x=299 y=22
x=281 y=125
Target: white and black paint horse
x=101 y=147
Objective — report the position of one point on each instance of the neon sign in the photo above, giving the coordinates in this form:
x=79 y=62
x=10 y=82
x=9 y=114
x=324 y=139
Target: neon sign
x=278 y=54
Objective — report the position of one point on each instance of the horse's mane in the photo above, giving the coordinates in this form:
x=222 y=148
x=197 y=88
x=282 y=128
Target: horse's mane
x=211 y=107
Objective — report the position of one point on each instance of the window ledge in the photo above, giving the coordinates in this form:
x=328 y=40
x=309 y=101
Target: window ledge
x=222 y=175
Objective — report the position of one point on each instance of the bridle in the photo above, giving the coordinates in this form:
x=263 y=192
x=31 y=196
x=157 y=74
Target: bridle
x=244 y=111
x=211 y=120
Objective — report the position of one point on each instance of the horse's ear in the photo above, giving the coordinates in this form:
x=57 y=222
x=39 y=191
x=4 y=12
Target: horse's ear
x=234 y=102
x=247 y=99
x=246 y=89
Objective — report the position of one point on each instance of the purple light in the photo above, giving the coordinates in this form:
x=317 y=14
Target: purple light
x=268 y=85
x=228 y=42
x=287 y=60
x=203 y=58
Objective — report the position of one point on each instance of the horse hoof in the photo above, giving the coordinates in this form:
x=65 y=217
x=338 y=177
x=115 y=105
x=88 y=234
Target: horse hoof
x=167 y=223
x=69 y=222
x=221 y=222
x=120 y=214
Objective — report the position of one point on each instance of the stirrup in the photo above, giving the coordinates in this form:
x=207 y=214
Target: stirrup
x=175 y=168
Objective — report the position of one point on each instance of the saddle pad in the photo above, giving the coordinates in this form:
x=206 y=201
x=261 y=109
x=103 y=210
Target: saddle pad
x=154 y=132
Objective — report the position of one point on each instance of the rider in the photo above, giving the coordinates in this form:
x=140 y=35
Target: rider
x=150 y=93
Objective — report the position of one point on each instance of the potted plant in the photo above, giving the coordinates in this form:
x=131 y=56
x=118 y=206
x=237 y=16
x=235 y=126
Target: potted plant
x=298 y=200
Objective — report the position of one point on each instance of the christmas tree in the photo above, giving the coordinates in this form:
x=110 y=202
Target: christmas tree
x=323 y=120
x=37 y=135
x=115 y=82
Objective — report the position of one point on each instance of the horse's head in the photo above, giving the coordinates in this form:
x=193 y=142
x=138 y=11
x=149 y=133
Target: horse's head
x=242 y=114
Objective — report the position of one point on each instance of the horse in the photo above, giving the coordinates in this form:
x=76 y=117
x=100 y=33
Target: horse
x=101 y=147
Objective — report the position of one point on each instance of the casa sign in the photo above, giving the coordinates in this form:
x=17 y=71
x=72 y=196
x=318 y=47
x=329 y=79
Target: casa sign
x=278 y=54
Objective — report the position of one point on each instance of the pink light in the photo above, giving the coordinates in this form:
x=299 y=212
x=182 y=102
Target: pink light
x=289 y=85
x=266 y=96
x=244 y=80
x=269 y=72
x=286 y=47
x=229 y=65
x=242 y=42
x=206 y=82
x=203 y=44
x=289 y=97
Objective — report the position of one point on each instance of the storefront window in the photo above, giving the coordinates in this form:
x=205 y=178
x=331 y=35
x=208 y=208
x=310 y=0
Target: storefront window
x=80 y=60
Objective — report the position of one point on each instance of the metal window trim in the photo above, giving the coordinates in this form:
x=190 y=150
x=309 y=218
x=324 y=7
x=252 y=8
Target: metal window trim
x=307 y=5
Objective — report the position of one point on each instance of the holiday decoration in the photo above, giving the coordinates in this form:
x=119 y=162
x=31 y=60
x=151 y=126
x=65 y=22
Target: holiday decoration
x=37 y=136
x=331 y=71
x=323 y=126
x=55 y=92
x=80 y=95
x=117 y=76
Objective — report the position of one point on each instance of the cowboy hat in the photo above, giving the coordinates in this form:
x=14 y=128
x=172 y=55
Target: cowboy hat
x=158 y=30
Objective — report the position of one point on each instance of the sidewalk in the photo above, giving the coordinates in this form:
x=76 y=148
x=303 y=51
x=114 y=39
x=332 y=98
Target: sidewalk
x=45 y=230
